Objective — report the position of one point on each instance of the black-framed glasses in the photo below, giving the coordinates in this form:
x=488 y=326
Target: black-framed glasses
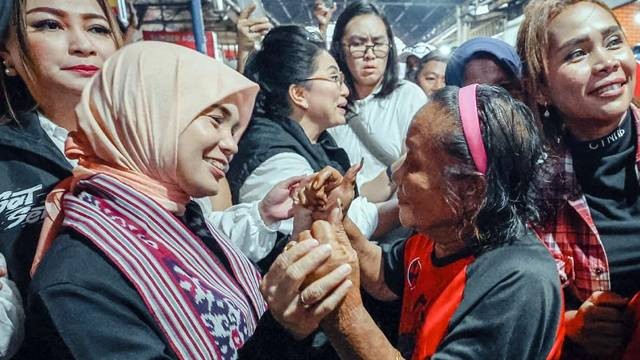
x=338 y=79
x=358 y=50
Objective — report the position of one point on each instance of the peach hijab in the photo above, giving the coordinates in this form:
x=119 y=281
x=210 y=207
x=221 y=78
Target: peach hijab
x=132 y=114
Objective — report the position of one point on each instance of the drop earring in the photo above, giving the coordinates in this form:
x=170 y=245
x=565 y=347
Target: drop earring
x=8 y=70
x=546 y=110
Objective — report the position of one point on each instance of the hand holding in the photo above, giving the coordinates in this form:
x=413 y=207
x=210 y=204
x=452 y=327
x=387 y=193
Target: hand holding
x=277 y=205
x=600 y=326
x=301 y=311
x=328 y=189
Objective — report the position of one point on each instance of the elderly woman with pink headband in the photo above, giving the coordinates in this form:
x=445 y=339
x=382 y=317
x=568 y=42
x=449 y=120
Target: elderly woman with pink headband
x=127 y=265
x=475 y=281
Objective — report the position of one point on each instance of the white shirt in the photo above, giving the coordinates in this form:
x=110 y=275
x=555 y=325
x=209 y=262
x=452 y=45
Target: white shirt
x=56 y=133
x=244 y=227
x=11 y=316
x=387 y=120
x=285 y=165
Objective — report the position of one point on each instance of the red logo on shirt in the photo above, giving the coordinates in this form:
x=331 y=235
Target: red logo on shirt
x=413 y=271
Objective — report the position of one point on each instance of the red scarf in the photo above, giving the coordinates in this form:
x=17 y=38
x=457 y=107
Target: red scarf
x=204 y=311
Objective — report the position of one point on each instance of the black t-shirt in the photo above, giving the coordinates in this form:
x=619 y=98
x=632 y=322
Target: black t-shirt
x=606 y=171
x=511 y=303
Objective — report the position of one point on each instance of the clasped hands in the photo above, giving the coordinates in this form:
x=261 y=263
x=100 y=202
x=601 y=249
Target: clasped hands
x=319 y=269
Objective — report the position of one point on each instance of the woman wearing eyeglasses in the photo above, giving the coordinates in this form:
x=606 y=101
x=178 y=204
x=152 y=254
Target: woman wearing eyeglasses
x=363 y=47
x=302 y=94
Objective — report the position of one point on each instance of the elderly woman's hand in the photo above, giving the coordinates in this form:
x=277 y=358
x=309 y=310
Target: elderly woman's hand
x=300 y=311
x=333 y=233
x=326 y=190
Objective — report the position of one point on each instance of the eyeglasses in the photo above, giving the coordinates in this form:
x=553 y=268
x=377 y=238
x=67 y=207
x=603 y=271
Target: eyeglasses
x=358 y=50
x=338 y=79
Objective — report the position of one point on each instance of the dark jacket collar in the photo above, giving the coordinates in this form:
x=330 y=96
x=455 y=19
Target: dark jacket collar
x=27 y=135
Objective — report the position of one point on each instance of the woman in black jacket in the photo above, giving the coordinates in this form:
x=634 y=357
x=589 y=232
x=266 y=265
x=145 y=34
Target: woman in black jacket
x=48 y=55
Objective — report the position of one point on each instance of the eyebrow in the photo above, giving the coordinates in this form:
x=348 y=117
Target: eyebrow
x=580 y=39
x=333 y=67
x=61 y=13
x=364 y=37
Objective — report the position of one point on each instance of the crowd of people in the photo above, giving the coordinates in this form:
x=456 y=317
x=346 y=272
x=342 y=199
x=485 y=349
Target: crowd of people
x=313 y=204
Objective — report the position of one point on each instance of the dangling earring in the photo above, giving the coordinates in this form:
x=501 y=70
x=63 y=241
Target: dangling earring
x=8 y=70
x=546 y=110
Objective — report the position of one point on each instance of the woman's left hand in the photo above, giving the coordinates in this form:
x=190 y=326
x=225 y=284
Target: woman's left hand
x=298 y=311
x=277 y=205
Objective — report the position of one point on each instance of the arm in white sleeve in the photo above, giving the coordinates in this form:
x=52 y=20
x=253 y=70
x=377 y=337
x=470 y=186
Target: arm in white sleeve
x=275 y=169
x=244 y=227
x=11 y=316
x=364 y=215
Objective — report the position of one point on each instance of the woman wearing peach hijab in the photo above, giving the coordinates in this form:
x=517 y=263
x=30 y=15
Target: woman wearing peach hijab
x=132 y=269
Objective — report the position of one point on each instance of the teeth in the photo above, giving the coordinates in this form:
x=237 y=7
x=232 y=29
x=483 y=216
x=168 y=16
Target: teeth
x=609 y=88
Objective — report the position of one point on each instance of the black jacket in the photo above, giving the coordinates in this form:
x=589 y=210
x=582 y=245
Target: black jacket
x=30 y=166
x=268 y=137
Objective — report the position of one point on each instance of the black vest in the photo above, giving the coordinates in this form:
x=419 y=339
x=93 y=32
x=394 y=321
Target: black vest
x=265 y=138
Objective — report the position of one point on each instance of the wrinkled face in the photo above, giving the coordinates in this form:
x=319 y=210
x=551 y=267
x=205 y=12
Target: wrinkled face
x=68 y=40
x=421 y=183
x=590 y=70
x=326 y=94
x=367 y=70
x=205 y=149
x=431 y=76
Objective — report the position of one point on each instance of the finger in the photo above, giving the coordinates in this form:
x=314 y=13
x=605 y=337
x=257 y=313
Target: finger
x=599 y=346
x=247 y=11
x=290 y=182
x=607 y=329
x=287 y=258
x=322 y=287
x=353 y=171
x=325 y=175
x=257 y=26
x=298 y=271
x=335 y=216
x=603 y=313
x=608 y=298
x=305 y=235
x=3 y=271
x=332 y=301
x=323 y=232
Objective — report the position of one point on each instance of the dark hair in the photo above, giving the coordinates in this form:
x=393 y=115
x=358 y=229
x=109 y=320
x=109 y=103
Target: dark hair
x=390 y=80
x=434 y=55
x=288 y=56
x=14 y=93
x=516 y=167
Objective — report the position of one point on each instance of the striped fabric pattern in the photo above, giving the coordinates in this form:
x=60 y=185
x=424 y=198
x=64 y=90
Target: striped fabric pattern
x=204 y=311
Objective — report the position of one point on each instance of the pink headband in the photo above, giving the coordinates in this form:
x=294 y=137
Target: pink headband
x=471 y=126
